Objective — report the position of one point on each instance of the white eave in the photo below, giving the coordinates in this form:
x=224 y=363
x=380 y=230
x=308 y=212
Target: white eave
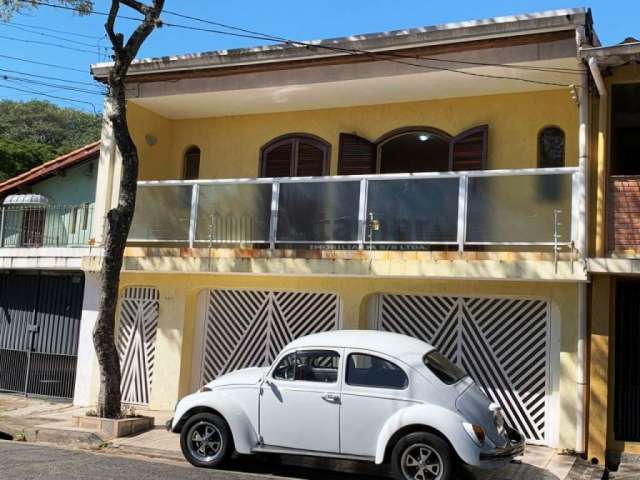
x=508 y=26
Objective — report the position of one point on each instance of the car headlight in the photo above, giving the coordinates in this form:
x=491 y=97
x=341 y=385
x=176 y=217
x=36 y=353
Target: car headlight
x=476 y=432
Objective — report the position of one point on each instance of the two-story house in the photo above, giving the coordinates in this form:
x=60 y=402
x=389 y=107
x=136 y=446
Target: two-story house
x=46 y=224
x=614 y=419
x=429 y=181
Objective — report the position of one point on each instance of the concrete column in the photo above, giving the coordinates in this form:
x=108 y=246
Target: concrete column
x=87 y=372
x=165 y=388
x=105 y=175
x=601 y=302
x=601 y=208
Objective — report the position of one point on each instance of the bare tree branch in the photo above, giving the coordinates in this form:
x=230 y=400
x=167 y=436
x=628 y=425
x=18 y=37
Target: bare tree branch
x=139 y=6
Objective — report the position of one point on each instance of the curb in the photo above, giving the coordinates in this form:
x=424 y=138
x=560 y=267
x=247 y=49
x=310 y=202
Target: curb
x=35 y=434
x=148 y=452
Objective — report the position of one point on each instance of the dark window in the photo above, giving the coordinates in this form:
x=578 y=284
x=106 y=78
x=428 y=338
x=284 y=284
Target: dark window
x=192 y=164
x=295 y=156
x=625 y=126
x=309 y=366
x=416 y=151
x=551 y=142
x=443 y=368
x=371 y=371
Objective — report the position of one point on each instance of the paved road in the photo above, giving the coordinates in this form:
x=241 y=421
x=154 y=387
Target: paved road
x=23 y=461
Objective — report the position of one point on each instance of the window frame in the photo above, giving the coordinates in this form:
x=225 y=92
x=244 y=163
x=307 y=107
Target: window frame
x=295 y=139
x=286 y=354
x=378 y=356
x=539 y=146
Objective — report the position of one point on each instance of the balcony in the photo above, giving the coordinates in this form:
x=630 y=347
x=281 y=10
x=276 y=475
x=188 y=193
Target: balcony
x=531 y=210
x=45 y=226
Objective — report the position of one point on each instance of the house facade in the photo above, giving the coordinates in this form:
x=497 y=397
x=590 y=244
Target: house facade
x=46 y=224
x=435 y=185
x=614 y=418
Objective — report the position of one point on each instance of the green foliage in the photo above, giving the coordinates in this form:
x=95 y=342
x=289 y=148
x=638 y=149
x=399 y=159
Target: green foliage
x=37 y=131
x=9 y=7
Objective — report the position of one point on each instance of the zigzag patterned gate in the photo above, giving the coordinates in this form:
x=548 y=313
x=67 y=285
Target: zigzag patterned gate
x=137 y=342
x=245 y=328
x=501 y=342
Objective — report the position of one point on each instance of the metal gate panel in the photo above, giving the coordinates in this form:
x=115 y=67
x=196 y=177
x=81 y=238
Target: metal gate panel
x=40 y=315
x=246 y=328
x=501 y=342
x=626 y=418
x=137 y=342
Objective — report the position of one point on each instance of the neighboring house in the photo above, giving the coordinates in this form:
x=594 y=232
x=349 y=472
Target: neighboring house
x=286 y=190
x=614 y=420
x=46 y=222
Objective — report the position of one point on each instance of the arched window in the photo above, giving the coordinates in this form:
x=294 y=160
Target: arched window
x=551 y=142
x=191 y=168
x=295 y=155
x=414 y=150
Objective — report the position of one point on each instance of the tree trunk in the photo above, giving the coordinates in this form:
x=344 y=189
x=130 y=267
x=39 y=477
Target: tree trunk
x=119 y=219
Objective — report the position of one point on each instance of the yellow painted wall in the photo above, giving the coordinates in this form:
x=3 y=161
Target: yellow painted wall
x=178 y=311
x=230 y=145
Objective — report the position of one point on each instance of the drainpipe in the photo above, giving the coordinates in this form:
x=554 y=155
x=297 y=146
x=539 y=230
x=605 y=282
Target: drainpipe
x=582 y=244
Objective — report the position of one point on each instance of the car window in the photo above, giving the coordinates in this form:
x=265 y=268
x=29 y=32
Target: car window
x=443 y=368
x=371 y=371
x=309 y=366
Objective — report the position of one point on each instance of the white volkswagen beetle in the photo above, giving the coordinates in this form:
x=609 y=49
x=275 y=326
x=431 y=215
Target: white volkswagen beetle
x=363 y=395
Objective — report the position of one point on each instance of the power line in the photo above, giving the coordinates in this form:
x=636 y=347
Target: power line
x=350 y=51
x=35 y=62
x=49 y=44
x=38 y=27
x=48 y=35
x=46 y=77
x=69 y=88
x=33 y=92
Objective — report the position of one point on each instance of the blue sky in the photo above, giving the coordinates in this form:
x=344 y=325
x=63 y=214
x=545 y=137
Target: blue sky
x=614 y=20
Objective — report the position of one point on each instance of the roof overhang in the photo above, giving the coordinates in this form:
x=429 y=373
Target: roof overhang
x=447 y=34
x=613 y=55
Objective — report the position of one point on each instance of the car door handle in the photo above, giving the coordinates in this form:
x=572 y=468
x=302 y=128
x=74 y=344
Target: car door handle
x=331 y=398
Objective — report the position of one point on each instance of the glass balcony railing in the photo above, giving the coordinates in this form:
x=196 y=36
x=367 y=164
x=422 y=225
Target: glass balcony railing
x=30 y=226
x=494 y=207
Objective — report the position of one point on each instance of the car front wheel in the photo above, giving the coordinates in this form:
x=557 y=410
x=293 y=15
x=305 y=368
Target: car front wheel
x=205 y=440
x=421 y=456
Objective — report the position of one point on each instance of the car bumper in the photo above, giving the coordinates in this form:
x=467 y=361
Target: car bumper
x=514 y=448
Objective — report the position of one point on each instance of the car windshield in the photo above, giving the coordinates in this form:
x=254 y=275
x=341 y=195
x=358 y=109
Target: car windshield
x=443 y=368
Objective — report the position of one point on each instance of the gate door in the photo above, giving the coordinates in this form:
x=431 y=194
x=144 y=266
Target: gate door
x=137 y=342
x=501 y=342
x=248 y=328
x=39 y=325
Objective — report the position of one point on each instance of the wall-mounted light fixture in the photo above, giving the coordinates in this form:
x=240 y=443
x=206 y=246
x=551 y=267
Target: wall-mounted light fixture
x=151 y=139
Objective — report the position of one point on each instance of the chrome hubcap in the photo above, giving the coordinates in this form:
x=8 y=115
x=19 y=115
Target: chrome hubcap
x=205 y=441
x=421 y=462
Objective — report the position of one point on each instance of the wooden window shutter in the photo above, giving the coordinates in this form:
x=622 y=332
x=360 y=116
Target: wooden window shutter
x=357 y=155
x=468 y=150
x=312 y=159
x=277 y=161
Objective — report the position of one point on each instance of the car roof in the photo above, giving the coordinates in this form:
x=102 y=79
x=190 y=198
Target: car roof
x=393 y=344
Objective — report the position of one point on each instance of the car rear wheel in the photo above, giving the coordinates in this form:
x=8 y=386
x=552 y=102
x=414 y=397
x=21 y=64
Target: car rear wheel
x=421 y=456
x=205 y=440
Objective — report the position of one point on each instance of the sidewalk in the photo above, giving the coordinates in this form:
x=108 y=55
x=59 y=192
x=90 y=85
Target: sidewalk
x=52 y=422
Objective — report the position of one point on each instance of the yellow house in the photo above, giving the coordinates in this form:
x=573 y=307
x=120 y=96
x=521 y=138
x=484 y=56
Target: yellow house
x=614 y=410
x=430 y=181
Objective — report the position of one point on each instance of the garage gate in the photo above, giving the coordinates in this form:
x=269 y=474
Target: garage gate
x=39 y=326
x=503 y=343
x=247 y=328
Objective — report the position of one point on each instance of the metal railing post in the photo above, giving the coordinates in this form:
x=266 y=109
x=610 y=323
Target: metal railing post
x=362 y=213
x=193 y=214
x=462 y=211
x=2 y=227
x=273 y=226
x=575 y=207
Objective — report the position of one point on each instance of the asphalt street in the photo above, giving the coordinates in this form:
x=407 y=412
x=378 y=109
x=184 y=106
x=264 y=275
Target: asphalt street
x=23 y=461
